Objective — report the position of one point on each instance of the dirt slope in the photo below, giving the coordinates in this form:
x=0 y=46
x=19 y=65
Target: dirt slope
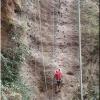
x=60 y=47
x=51 y=36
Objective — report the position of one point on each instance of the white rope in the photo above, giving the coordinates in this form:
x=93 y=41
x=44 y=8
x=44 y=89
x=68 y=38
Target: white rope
x=53 y=46
x=79 y=29
x=59 y=11
x=54 y=36
x=42 y=44
x=36 y=39
x=80 y=53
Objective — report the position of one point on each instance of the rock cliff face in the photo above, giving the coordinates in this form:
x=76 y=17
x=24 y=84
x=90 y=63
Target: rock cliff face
x=48 y=28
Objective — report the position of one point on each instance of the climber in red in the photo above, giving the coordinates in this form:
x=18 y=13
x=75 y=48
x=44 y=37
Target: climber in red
x=58 y=78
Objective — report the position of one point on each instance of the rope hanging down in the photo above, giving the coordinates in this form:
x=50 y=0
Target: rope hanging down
x=53 y=45
x=35 y=31
x=79 y=29
x=58 y=18
x=42 y=43
x=80 y=53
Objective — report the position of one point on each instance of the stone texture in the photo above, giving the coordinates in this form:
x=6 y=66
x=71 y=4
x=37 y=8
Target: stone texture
x=50 y=32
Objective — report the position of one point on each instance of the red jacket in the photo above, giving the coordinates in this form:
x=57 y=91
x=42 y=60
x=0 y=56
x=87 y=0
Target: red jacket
x=58 y=75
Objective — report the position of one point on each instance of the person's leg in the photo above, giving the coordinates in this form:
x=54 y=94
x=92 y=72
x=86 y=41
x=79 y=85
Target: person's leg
x=59 y=84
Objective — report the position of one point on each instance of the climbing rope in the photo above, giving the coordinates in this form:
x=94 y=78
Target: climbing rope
x=36 y=39
x=79 y=29
x=53 y=45
x=59 y=11
x=80 y=48
x=40 y=29
x=58 y=19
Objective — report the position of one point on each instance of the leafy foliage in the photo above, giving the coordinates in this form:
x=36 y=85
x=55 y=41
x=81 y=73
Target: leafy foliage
x=11 y=60
x=90 y=49
x=90 y=30
x=10 y=64
x=17 y=87
x=90 y=46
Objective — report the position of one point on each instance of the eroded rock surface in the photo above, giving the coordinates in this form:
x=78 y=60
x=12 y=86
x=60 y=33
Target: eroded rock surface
x=50 y=32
